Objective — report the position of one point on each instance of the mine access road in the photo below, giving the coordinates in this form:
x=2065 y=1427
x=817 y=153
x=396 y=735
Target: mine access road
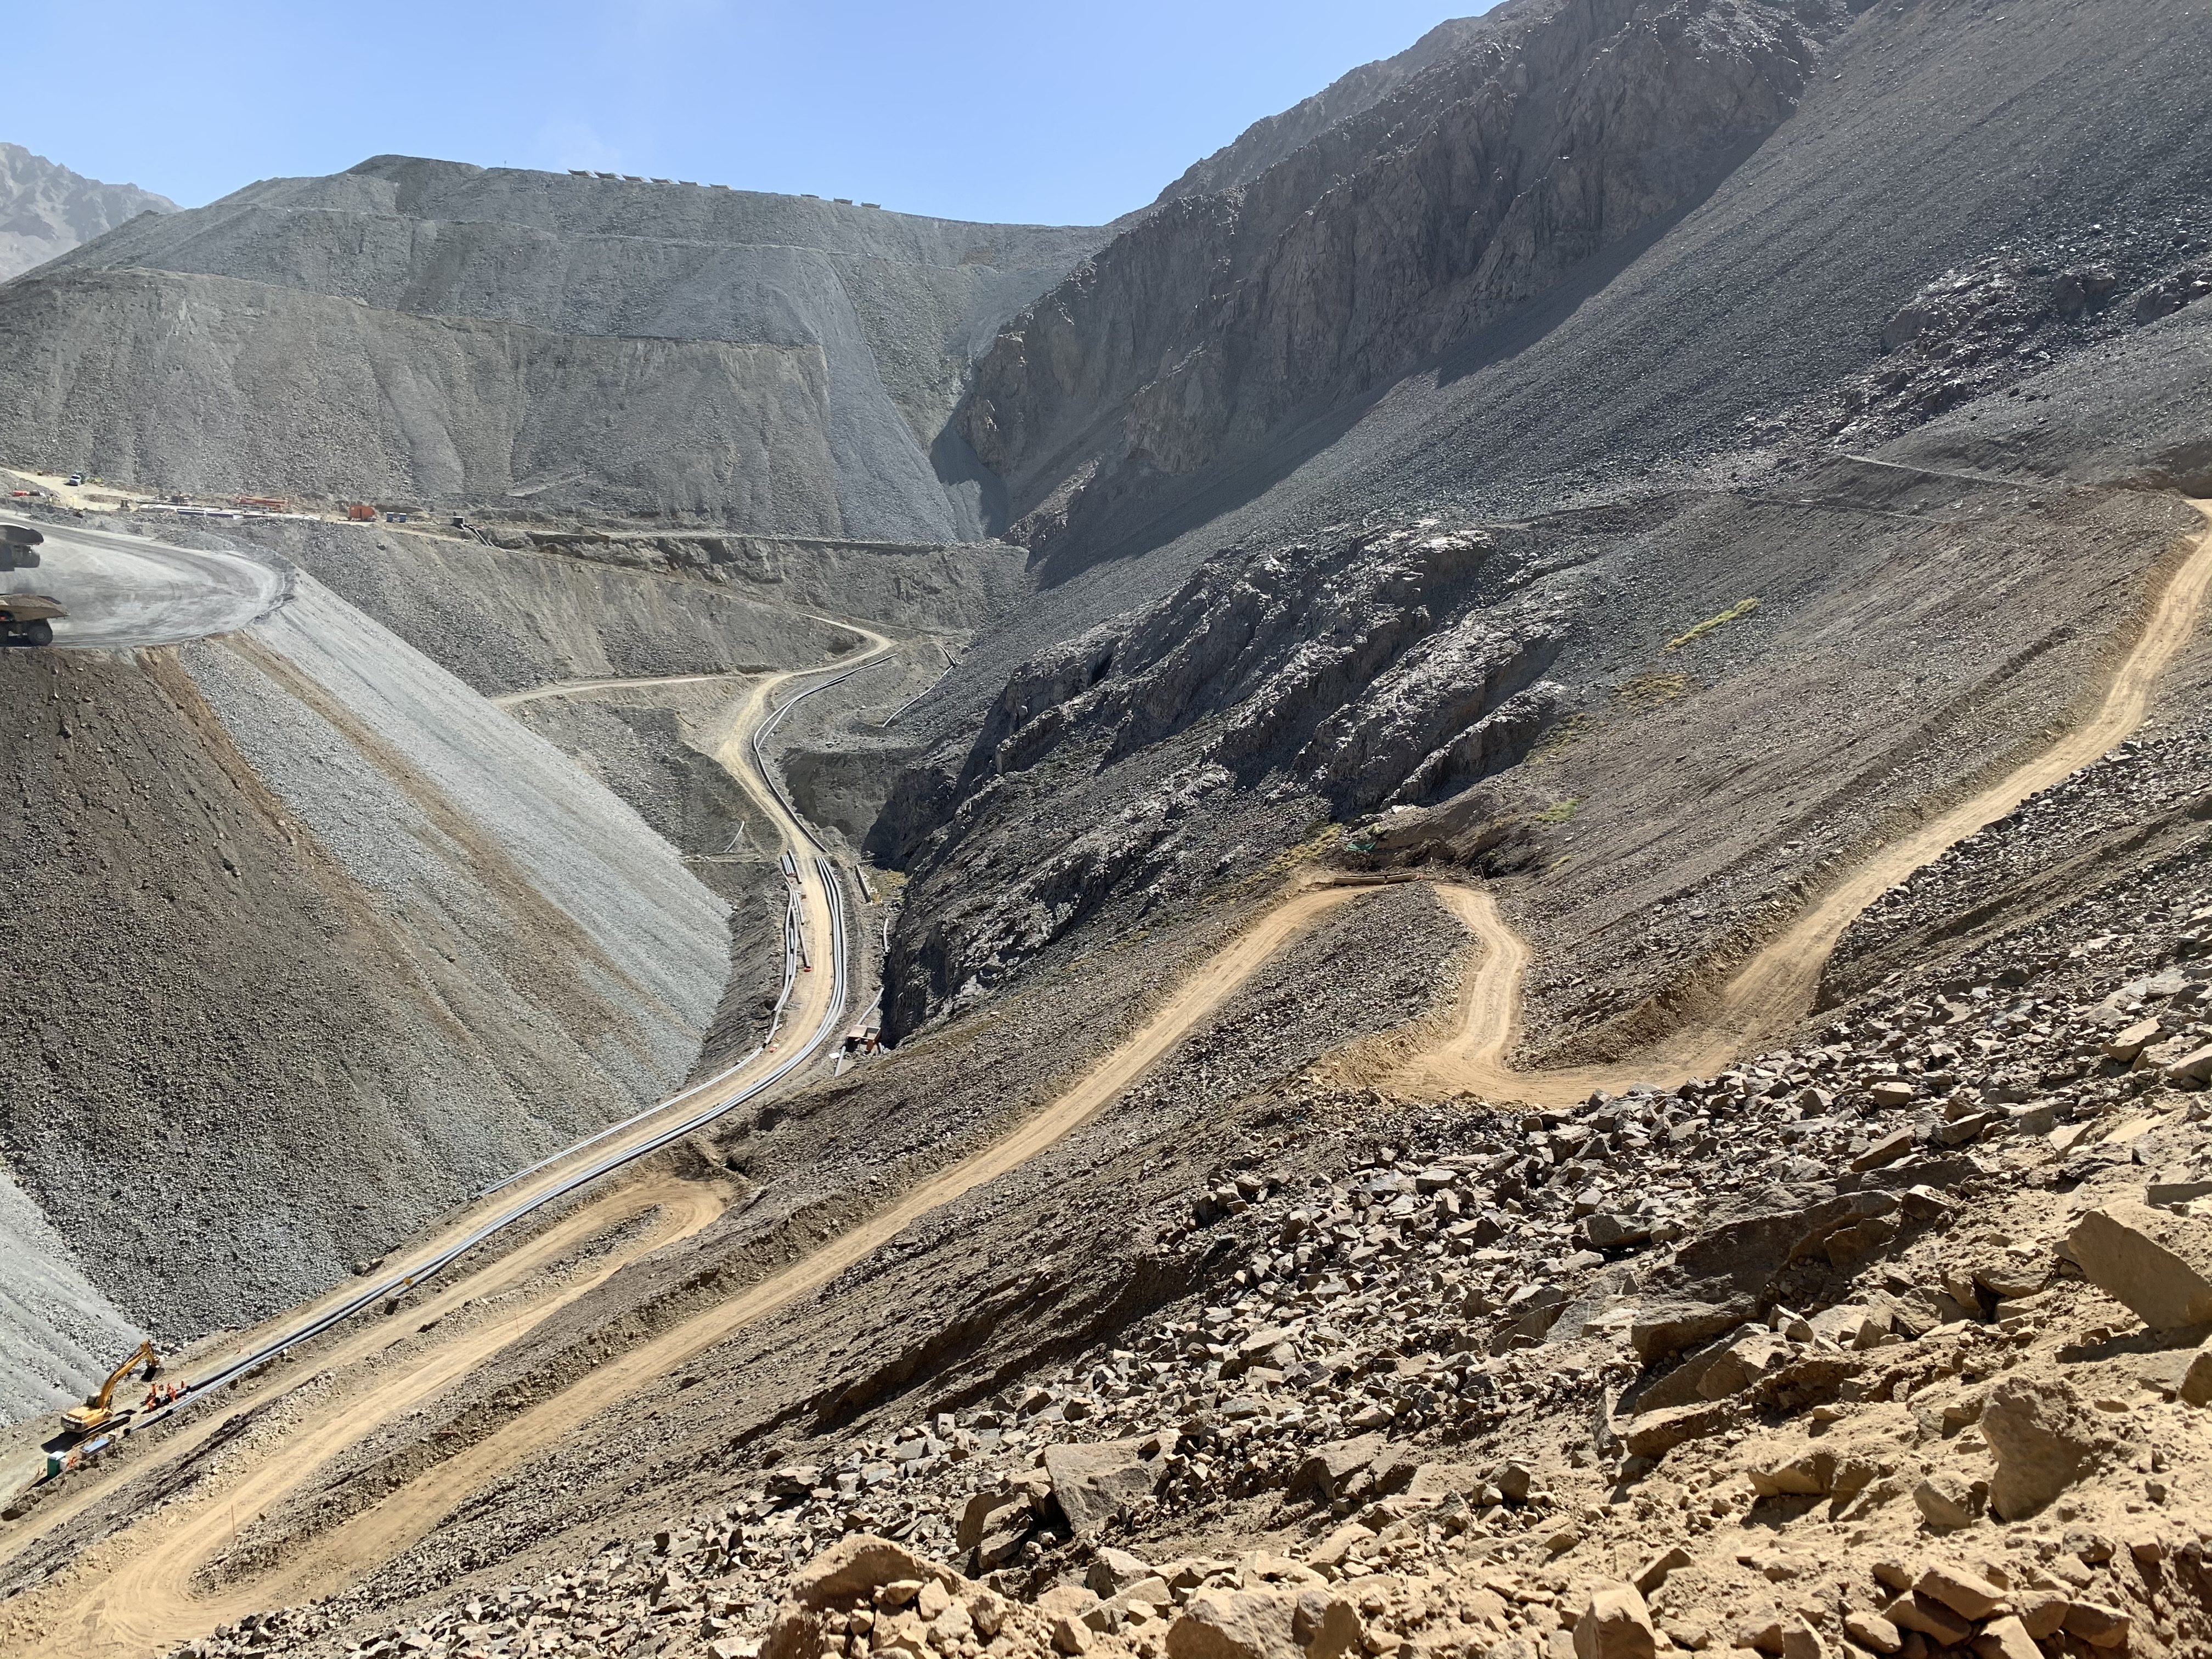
x=810 y=1016
x=140 y=1587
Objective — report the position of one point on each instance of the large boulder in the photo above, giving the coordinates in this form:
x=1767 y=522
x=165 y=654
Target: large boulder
x=1616 y=1625
x=1965 y=1593
x=1238 y=1625
x=851 y=1572
x=2185 y=1373
x=2044 y=1439
x=1094 y=1483
x=1663 y=1328
x=855 y=1565
x=1310 y=1623
x=2158 y=1263
x=1332 y=1471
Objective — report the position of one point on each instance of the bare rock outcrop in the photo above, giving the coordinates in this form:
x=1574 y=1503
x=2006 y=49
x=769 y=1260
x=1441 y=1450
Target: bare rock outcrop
x=47 y=210
x=1544 y=137
x=1340 y=661
x=1362 y=668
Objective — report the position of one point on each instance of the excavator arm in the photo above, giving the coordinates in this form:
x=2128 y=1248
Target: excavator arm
x=95 y=1412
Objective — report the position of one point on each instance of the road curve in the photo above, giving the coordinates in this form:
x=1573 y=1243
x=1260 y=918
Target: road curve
x=132 y=1594
x=1769 y=991
x=816 y=1008
x=137 y=1590
x=123 y=591
x=140 y=1596
x=1774 y=989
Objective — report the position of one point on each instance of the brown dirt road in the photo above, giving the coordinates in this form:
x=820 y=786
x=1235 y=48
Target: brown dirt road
x=809 y=1000
x=132 y=1593
x=137 y=1591
x=135 y=1594
x=184 y=1548
x=1774 y=988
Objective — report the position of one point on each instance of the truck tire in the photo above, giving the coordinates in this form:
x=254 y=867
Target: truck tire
x=36 y=633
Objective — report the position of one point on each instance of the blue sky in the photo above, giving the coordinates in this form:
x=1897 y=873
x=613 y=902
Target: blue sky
x=1021 y=113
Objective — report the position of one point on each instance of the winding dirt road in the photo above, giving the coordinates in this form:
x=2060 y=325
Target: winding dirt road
x=347 y=1552
x=1774 y=988
x=155 y=1561
x=134 y=1592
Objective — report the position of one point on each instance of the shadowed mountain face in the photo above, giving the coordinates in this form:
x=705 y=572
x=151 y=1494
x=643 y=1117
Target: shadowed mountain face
x=1800 y=230
x=446 y=333
x=1815 y=379
x=1583 y=243
x=47 y=210
x=1372 y=228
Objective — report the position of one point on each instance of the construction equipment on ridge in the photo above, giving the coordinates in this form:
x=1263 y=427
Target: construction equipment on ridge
x=97 y=1411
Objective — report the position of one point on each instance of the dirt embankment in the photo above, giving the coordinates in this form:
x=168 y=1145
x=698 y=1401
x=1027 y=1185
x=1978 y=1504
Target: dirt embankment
x=314 y=942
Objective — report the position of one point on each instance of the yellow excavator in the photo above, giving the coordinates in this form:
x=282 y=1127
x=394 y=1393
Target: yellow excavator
x=97 y=1412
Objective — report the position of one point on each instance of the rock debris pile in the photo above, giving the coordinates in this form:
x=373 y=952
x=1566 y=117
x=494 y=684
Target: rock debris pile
x=1984 y=328
x=1887 y=1345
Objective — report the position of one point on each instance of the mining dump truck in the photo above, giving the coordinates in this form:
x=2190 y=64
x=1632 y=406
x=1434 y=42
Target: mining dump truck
x=19 y=547
x=27 y=618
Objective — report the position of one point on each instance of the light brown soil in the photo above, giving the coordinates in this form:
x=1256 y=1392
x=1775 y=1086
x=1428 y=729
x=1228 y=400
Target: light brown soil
x=134 y=1593
x=136 y=1590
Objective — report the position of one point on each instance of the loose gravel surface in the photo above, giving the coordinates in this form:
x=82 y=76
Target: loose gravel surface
x=773 y=364
x=1463 y=1373
x=302 y=876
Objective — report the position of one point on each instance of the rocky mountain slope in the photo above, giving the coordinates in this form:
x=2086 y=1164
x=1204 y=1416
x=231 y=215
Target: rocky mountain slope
x=1272 y=138
x=1203 y=734
x=1637 y=461
x=310 y=942
x=1652 y=728
x=1728 y=338
x=421 y=331
x=1729 y=471
x=45 y=209
x=1879 y=1345
x=1543 y=138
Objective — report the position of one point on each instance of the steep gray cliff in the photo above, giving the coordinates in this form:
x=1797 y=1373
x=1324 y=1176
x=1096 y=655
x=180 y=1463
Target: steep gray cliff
x=1274 y=137
x=1357 y=669
x=1974 y=248
x=1326 y=258
x=45 y=209
x=433 y=332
